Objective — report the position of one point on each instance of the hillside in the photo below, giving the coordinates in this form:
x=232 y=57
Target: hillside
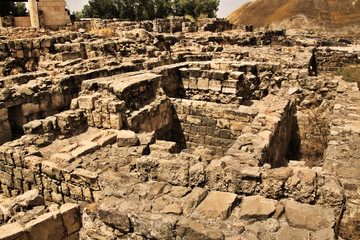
x=324 y=13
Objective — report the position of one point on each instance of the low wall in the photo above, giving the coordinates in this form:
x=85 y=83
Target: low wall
x=22 y=21
x=39 y=222
x=228 y=82
x=212 y=125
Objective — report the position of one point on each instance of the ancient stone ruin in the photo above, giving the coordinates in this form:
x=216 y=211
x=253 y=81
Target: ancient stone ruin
x=170 y=129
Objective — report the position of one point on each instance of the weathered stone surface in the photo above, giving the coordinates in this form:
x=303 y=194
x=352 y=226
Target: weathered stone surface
x=293 y=233
x=70 y=213
x=13 y=231
x=47 y=226
x=153 y=225
x=257 y=207
x=188 y=229
x=217 y=205
x=114 y=211
x=30 y=199
x=308 y=216
x=126 y=138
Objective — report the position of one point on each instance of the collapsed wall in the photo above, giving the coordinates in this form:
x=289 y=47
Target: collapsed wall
x=191 y=150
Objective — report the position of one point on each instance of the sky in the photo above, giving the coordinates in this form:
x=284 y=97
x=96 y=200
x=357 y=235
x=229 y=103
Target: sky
x=225 y=8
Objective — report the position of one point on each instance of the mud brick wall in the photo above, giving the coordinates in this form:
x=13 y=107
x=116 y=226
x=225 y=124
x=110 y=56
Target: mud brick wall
x=209 y=124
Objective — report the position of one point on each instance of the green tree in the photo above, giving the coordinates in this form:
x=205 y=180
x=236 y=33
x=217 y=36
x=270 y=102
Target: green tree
x=149 y=9
x=13 y=9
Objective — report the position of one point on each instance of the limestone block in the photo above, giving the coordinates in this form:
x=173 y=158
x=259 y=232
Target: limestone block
x=52 y=169
x=153 y=226
x=62 y=157
x=220 y=75
x=308 y=216
x=217 y=205
x=173 y=208
x=257 y=207
x=114 y=211
x=287 y=232
x=324 y=234
x=273 y=181
x=215 y=85
x=301 y=186
x=3 y=114
x=87 y=102
x=116 y=121
x=46 y=42
x=7 y=179
x=35 y=53
x=197 y=174
x=13 y=231
x=185 y=82
x=85 y=147
x=188 y=229
x=29 y=108
x=237 y=75
x=184 y=72
x=127 y=138
x=194 y=72
x=203 y=83
x=71 y=217
x=75 y=192
x=229 y=90
x=57 y=197
x=47 y=226
x=29 y=199
x=109 y=138
x=116 y=107
x=193 y=83
x=193 y=199
x=173 y=171
x=97 y=119
x=28 y=175
x=81 y=176
x=165 y=146
x=105 y=119
x=33 y=127
x=33 y=163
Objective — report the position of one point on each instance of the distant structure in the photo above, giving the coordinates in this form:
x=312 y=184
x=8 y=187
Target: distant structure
x=43 y=13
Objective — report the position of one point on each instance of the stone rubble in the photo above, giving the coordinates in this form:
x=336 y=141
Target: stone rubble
x=174 y=130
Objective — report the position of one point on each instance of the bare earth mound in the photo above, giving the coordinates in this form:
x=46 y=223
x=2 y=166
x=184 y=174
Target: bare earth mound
x=298 y=13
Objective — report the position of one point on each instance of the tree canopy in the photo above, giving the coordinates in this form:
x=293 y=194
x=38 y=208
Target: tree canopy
x=13 y=9
x=149 y=9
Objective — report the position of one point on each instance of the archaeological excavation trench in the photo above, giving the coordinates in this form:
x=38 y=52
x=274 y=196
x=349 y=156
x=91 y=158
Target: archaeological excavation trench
x=122 y=139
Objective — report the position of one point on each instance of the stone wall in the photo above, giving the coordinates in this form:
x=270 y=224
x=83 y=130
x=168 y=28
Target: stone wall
x=22 y=21
x=341 y=158
x=52 y=13
x=334 y=58
x=5 y=128
x=227 y=82
x=212 y=125
x=36 y=220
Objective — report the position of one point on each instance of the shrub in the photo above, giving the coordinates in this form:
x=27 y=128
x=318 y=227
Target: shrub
x=314 y=136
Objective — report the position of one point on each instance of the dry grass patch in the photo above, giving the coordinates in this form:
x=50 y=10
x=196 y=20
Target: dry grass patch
x=314 y=135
